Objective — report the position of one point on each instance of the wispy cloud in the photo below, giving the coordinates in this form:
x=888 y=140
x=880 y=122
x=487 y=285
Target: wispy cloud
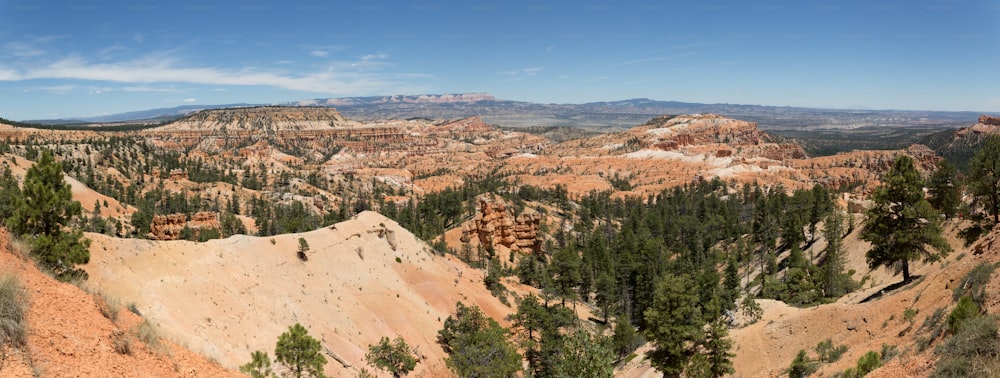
x=54 y=89
x=351 y=77
x=149 y=89
x=22 y=50
x=529 y=71
x=640 y=61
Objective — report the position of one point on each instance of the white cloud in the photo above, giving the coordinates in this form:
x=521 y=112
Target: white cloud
x=148 y=89
x=319 y=53
x=55 y=89
x=189 y=100
x=337 y=78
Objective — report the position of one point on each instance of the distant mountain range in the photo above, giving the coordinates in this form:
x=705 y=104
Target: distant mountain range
x=594 y=115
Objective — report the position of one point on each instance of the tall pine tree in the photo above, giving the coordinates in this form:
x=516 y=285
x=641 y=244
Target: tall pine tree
x=901 y=224
x=43 y=214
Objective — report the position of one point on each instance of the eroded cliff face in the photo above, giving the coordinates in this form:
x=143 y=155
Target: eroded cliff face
x=169 y=227
x=496 y=225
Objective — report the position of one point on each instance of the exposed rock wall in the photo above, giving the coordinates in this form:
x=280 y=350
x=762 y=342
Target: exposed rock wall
x=169 y=227
x=496 y=225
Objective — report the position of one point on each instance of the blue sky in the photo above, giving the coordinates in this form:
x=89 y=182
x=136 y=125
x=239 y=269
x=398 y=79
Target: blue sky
x=74 y=58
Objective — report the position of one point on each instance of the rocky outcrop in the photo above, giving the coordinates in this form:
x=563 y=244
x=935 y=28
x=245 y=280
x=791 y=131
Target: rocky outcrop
x=169 y=227
x=989 y=120
x=496 y=225
x=700 y=129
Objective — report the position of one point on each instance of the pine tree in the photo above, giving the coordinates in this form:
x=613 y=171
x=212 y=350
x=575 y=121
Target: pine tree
x=718 y=349
x=901 y=224
x=259 y=365
x=10 y=193
x=835 y=281
x=565 y=268
x=43 y=212
x=943 y=189
x=299 y=353
x=674 y=324
x=394 y=357
x=477 y=346
x=585 y=355
x=984 y=175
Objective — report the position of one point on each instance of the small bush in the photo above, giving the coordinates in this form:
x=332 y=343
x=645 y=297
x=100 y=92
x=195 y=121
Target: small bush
x=801 y=365
x=150 y=335
x=953 y=368
x=13 y=307
x=976 y=337
x=909 y=314
x=974 y=283
x=965 y=309
x=828 y=353
x=134 y=309
x=121 y=342
x=870 y=361
x=889 y=351
x=972 y=352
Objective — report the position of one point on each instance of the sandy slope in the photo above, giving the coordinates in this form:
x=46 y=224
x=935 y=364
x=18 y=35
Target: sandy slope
x=68 y=336
x=227 y=298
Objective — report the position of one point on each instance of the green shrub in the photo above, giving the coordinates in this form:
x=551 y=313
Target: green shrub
x=974 y=283
x=972 y=352
x=13 y=308
x=801 y=365
x=828 y=353
x=870 y=361
x=909 y=314
x=953 y=368
x=976 y=337
x=965 y=309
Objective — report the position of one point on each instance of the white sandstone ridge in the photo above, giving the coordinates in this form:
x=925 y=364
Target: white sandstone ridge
x=364 y=279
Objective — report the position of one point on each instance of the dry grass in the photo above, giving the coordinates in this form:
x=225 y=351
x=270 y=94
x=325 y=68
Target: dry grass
x=108 y=304
x=148 y=333
x=13 y=308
